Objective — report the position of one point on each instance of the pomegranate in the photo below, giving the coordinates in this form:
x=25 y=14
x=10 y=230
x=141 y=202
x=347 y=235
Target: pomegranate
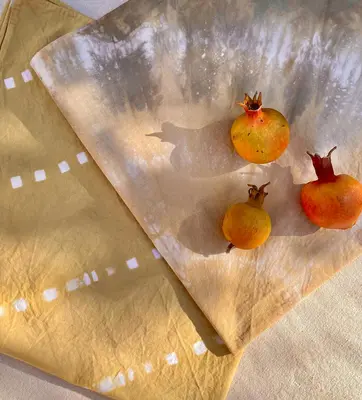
x=332 y=201
x=247 y=225
x=261 y=134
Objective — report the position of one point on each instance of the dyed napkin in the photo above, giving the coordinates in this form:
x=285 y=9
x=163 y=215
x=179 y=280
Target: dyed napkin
x=150 y=91
x=84 y=295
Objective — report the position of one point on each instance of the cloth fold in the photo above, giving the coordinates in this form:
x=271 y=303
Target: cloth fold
x=150 y=91
x=84 y=295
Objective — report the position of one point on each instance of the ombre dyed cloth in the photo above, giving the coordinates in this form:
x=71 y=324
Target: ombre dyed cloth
x=150 y=91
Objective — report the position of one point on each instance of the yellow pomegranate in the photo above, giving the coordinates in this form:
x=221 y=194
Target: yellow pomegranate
x=247 y=225
x=261 y=134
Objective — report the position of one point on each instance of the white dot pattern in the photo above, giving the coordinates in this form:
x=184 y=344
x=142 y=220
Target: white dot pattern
x=82 y=158
x=130 y=374
x=120 y=380
x=156 y=254
x=106 y=385
x=172 y=359
x=148 y=367
x=63 y=167
x=199 y=348
x=27 y=76
x=20 y=305
x=40 y=175
x=16 y=182
x=50 y=294
x=9 y=83
x=94 y=276
x=132 y=263
x=87 y=280
x=72 y=285
x=110 y=271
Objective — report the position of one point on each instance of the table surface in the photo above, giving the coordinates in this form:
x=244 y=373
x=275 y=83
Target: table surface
x=313 y=353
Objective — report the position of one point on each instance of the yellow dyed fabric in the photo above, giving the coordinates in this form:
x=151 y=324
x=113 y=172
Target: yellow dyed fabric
x=83 y=293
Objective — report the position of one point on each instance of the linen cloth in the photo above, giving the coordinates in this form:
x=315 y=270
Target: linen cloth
x=150 y=91
x=84 y=295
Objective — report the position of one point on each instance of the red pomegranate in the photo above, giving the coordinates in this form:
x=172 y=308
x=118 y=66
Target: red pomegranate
x=332 y=201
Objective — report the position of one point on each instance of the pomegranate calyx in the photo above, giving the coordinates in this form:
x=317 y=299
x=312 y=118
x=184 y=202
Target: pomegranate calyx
x=257 y=195
x=252 y=105
x=323 y=166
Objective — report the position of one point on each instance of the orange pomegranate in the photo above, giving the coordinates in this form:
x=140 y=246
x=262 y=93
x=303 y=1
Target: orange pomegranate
x=261 y=134
x=247 y=225
x=332 y=201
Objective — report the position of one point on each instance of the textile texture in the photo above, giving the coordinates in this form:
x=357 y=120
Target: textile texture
x=150 y=90
x=84 y=295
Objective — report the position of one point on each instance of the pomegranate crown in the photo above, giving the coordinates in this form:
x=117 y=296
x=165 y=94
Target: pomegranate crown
x=257 y=195
x=323 y=166
x=252 y=104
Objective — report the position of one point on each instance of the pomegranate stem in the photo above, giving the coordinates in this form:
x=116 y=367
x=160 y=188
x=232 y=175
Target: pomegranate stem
x=229 y=248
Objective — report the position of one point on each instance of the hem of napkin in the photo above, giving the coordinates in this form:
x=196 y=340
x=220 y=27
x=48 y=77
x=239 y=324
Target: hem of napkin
x=49 y=372
x=8 y=20
x=10 y=15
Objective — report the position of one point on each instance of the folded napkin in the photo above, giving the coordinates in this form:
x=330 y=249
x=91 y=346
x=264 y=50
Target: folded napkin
x=84 y=293
x=150 y=90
